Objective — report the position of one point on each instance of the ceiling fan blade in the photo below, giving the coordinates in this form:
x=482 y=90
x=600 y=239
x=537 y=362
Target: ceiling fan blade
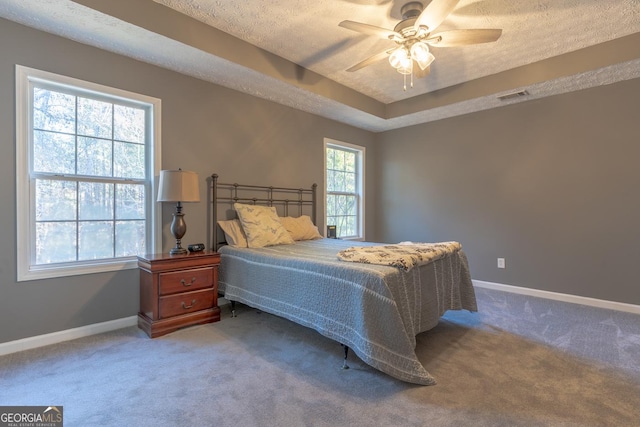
x=375 y=58
x=436 y=12
x=371 y=30
x=463 y=37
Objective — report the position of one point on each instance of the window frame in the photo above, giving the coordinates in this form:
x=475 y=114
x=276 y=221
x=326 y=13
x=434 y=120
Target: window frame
x=26 y=79
x=360 y=152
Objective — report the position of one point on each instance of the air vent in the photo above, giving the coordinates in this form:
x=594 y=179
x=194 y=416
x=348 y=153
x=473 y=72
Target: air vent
x=513 y=95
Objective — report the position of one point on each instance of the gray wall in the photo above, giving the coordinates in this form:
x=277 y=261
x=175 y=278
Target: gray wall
x=205 y=128
x=551 y=185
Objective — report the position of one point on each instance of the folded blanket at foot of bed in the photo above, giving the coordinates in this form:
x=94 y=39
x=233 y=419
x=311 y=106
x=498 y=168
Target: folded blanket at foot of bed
x=405 y=255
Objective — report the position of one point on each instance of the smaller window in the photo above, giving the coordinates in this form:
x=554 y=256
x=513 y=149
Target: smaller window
x=344 y=188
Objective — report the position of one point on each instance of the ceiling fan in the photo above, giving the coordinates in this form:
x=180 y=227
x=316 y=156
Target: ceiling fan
x=415 y=33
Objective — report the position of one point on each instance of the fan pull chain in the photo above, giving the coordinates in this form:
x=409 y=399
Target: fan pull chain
x=404 y=76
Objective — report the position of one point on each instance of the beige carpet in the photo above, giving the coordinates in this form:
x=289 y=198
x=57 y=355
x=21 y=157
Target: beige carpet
x=521 y=361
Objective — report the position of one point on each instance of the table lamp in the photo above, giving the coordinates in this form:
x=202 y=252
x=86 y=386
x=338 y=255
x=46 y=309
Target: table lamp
x=178 y=186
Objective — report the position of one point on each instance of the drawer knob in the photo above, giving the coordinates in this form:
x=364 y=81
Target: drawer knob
x=193 y=302
x=184 y=282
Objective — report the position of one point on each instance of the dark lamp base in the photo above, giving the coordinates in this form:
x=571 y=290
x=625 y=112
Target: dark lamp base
x=178 y=229
x=177 y=251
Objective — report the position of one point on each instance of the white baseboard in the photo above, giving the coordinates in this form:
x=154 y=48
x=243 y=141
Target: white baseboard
x=575 y=299
x=66 y=335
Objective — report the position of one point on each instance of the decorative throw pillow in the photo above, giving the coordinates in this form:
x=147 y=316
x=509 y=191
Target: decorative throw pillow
x=300 y=228
x=233 y=233
x=261 y=225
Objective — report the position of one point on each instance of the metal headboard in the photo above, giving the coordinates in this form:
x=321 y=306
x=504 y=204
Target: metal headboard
x=287 y=200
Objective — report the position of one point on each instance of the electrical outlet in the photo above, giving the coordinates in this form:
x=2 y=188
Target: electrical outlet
x=501 y=263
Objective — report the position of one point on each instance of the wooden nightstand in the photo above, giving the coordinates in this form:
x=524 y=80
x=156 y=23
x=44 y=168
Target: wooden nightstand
x=177 y=291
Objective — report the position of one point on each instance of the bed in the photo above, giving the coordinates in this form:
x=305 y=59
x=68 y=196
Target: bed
x=374 y=310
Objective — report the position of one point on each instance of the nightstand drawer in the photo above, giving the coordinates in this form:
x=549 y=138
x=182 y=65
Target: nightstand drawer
x=184 y=303
x=186 y=280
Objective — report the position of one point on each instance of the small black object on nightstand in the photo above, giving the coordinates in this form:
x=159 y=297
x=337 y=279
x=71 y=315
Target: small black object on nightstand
x=196 y=247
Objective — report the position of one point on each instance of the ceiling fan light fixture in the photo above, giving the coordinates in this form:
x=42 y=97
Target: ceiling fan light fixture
x=399 y=58
x=405 y=69
x=420 y=52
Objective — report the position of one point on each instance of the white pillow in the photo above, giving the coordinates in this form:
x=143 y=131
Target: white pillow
x=233 y=233
x=261 y=225
x=300 y=228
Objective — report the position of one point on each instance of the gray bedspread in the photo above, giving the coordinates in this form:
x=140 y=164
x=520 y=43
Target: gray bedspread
x=376 y=310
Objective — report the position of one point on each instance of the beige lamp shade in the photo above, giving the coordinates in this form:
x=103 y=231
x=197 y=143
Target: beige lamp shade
x=178 y=186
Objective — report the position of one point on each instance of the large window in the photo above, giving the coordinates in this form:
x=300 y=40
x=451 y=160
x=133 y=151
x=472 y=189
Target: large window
x=344 y=187
x=86 y=161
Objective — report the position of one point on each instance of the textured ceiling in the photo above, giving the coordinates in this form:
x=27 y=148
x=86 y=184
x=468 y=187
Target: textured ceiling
x=306 y=33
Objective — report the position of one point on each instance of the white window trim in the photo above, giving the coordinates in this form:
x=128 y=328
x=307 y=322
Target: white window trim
x=24 y=78
x=328 y=142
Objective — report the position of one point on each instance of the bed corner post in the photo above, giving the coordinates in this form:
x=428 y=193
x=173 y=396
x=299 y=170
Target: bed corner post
x=314 y=203
x=214 y=208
